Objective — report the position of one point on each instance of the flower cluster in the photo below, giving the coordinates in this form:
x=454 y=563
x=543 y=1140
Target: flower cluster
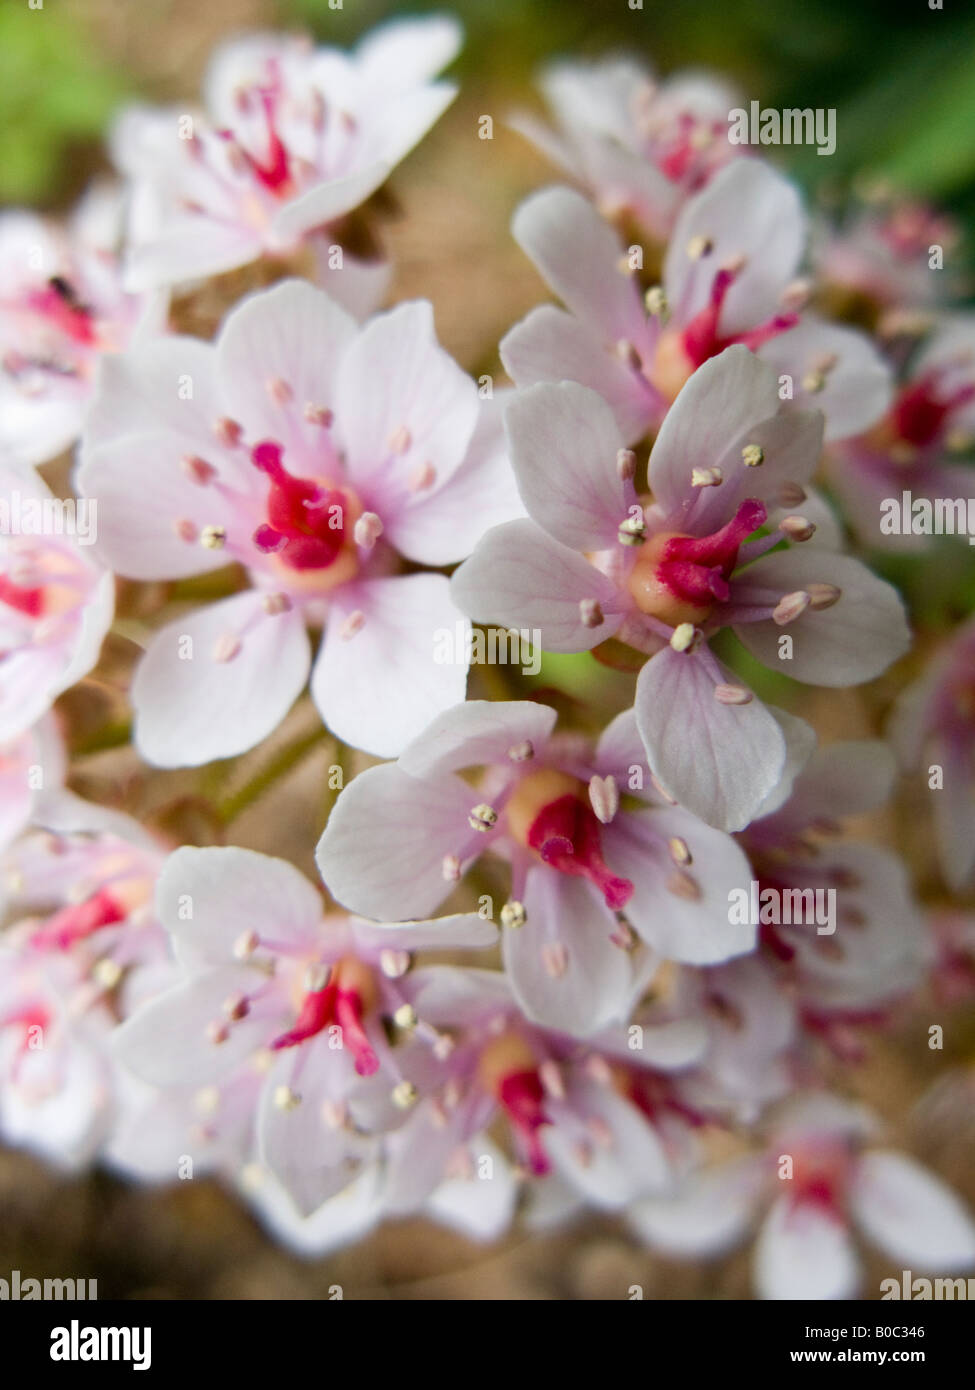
x=575 y=944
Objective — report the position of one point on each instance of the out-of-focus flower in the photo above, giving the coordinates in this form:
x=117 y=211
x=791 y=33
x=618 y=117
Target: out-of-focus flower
x=586 y=836
x=728 y=277
x=84 y=948
x=61 y=307
x=819 y=1182
x=842 y=923
x=593 y=562
x=56 y=603
x=881 y=252
x=575 y=1110
x=319 y=456
x=640 y=147
x=933 y=731
x=269 y=982
x=292 y=140
x=909 y=450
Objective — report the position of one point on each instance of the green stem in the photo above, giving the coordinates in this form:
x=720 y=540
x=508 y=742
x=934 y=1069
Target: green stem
x=113 y=735
x=279 y=766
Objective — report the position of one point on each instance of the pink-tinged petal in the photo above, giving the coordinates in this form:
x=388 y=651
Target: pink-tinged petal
x=193 y=708
x=683 y=914
x=708 y=1214
x=385 y=636
x=403 y=406
x=519 y=577
x=855 y=389
x=328 y=201
x=165 y=385
x=209 y=898
x=564 y=444
x=726 y=396
x=583 y=261
x=167 y=1042
x=852 y=641
x=914 y=715
x=419 y=1153
x=480 y=1207
x=407 y=52
x=662 y=1046
x=477 y=733
x=383 y=849
x=359 y=287
x=815 y=508
x=604 y=1147
x=791 y=443
x=882 y=955
x=148 y=505
x=408 y=118
x=292 y=333
x=550 y=345
x=719 y=761
x=441 y=525
x=348 y=1216
x=912 y=1215
x=954 y=816
x=565 y=971
x=462 y=931
x=804 y=1252
x=746 y=210
x=34 y=429
x=620 y=754
x=800 y=745
x=847 y=778
x=311 y=1158
x=189 y=248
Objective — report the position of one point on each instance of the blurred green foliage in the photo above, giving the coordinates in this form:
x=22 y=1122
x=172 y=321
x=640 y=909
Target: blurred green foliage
x=901 y=76
x=55 y=95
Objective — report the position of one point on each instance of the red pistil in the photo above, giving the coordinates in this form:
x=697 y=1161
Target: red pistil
x=73 y=924
x=696 y=568
x=566 y=834
x=27 y=601
x=702 y=338
x=300 y=526
x=919 y=414
x=522 y=1095
x=58 y=304
x=338 y=1006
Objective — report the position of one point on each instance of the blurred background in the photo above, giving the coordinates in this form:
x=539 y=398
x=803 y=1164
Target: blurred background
x=902 y=78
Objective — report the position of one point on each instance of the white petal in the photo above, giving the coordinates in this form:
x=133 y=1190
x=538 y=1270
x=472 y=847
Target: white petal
x=379 y=687
x=803 y=1253
x=192 y=709
x=519 y=577
x=911 y=1214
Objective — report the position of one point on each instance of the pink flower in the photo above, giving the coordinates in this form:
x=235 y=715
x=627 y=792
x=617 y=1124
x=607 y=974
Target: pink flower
x=583 y=1112
x=849 y=970
x=909 y=449
x=402 y=835
x=294 y=139
x=67 y=975
x=318 y=456
x=639 y=147
x=880 y=250
x=61 y=307
x=269 y=982
x=593 y=562
x=933 y=731
x=728 y=277
x=818 y=1181
x=56 y=605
